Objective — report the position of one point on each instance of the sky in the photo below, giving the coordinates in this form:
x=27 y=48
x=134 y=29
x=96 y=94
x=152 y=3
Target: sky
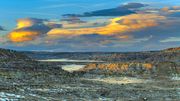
x=89 y=25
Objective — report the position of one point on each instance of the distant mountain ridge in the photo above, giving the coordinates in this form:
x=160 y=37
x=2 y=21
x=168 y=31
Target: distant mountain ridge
x=171 y=54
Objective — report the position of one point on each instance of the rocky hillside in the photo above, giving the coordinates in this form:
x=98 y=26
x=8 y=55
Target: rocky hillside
x=10 y=54
x=10 y=59
x=171 y=54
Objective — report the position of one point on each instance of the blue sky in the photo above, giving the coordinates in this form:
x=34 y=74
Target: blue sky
x=143 y=38
x=14 y=9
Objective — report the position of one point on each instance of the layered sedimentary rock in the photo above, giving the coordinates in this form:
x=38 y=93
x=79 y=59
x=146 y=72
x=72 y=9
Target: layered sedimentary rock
x=133 y=68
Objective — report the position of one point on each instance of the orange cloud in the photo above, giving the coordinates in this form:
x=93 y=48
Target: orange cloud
x=28 y=29
x=24 y=23
x=165 y=9
x=116 y=26
x=171 y=9
x=27 y=22
x=176 y=7
x=21 y=36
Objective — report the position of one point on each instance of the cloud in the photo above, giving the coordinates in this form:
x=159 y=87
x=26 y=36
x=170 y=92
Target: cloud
x=21 y=36
x=171 y=39
x=54 y=25
x=75 y=22
x=171 y=10
x=141 y=38
x=144 y=29
x=175 y=14
x=134 y=5
x=72 y=19
x=118 y=11
x=115 y=32
x=165 y=9
x=174 y=11
x=28 y=22
x=30 y=28
x=1 y=28
x=91 y=42
x=116 y=26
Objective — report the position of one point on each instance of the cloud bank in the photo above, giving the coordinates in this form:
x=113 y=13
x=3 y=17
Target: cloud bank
x=122 y=10
x=29 y=29
x=116 y=26
x=146 y=28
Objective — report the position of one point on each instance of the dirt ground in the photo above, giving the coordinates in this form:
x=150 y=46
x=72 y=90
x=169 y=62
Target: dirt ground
x=42 y=86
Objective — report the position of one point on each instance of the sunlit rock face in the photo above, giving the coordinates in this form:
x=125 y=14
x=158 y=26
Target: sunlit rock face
x=133 y=69
x=120 y=67
x=173 y=49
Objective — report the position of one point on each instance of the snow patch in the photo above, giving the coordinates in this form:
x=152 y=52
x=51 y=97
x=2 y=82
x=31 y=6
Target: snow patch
x=71 y=68
x=9 y=97
x=119 y=80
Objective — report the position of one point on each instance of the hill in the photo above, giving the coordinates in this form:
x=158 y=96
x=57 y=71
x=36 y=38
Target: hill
x=172 y=54
x=10 y=59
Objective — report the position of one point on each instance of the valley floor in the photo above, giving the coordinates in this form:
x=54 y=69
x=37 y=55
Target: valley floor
x=45 y=86
x=136 y=76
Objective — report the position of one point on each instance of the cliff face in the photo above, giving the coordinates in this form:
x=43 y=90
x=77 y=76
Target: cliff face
x=172 y=49
x=133 y=68
x=119 y=67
